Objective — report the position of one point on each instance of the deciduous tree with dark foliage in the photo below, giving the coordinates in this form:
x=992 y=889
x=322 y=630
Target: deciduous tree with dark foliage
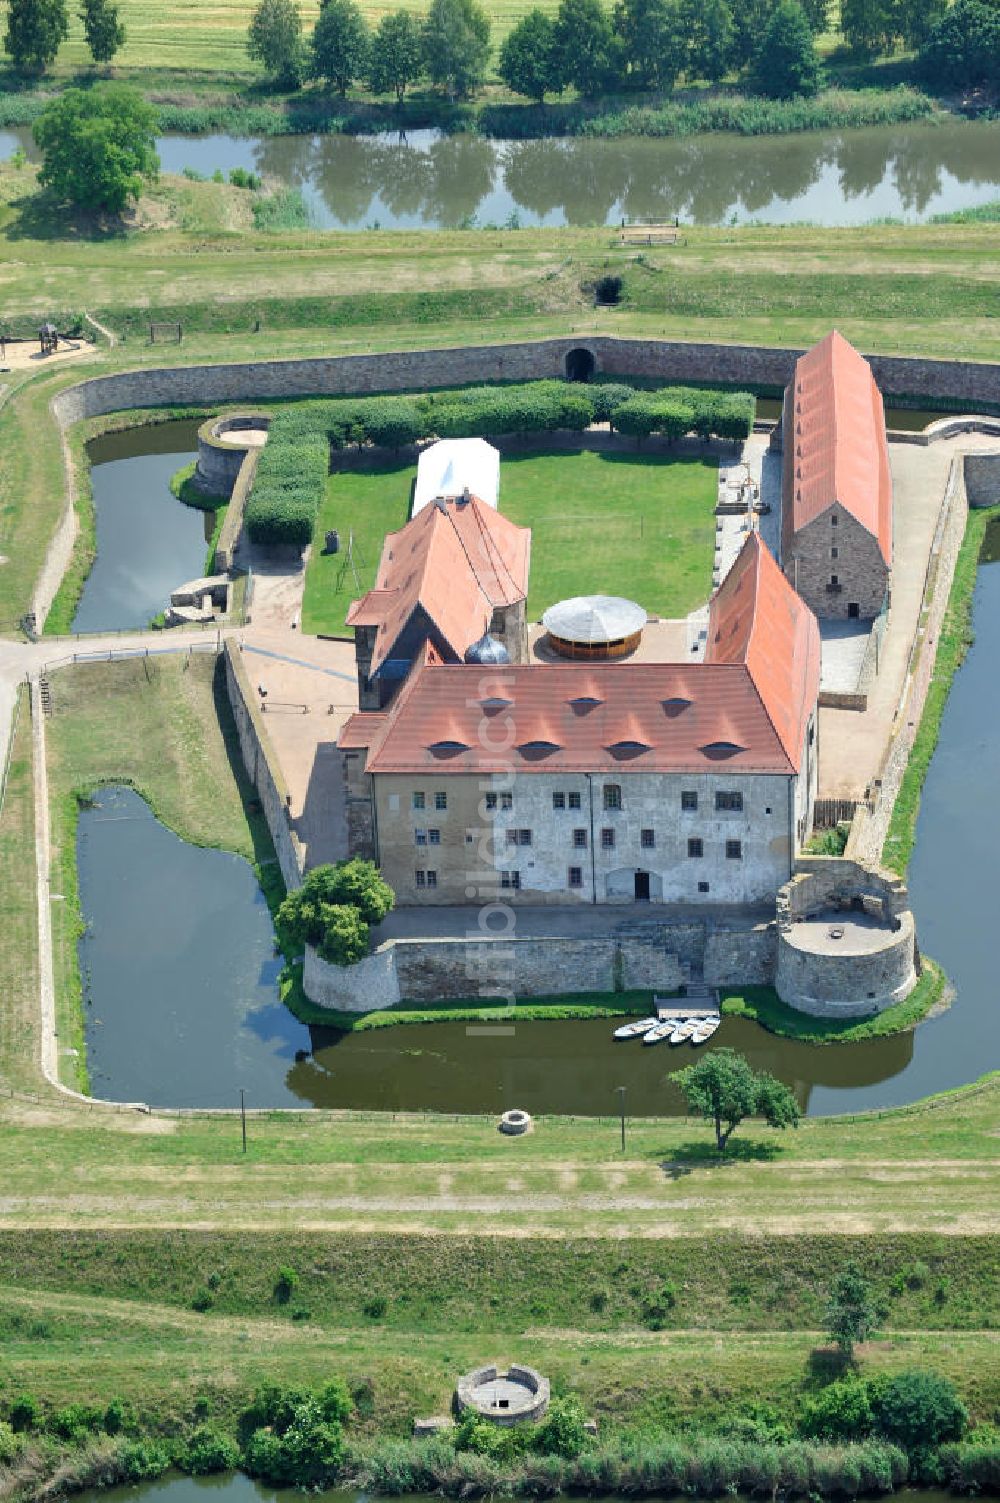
x=787 y=65
x=397 y=58
x=103 y=29
x=528 y=57
x=341 y=44
x=962 y=49
x=274 y=39
x=724 y=1088
x=852 y=1312
x=35 y=29
x=456 y=45
x=584 y=45
x=98 y=146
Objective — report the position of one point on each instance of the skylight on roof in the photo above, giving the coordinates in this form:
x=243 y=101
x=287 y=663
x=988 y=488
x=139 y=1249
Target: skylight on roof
x=718 y=751
x=448 y=748
x=623 y=751
x=533 y=751
x=675 y=705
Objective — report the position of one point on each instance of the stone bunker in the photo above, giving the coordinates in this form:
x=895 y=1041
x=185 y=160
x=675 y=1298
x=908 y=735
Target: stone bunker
x=846 y=940
x=515 y=1397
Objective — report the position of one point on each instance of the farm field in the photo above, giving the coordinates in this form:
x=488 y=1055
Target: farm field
x=615 y=524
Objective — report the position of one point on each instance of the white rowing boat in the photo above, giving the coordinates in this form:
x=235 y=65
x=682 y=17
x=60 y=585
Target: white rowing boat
x=705 y=1029
x=633 y=1030
x=683 y=1031
x=660 y=1032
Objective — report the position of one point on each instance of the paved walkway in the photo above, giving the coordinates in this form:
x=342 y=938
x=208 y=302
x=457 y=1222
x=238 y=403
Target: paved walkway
x=561 y=920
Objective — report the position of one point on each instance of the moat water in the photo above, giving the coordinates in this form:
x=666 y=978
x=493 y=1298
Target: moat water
x=426 y=180
x=148 y=542
x=235 y=1487
x=191 y=1014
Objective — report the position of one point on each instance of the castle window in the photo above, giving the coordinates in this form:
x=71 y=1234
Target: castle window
x=490 y=802
x=612 y=796
x=580 y=839
x=574 y=801
x=559 y=801
x=432 y=879
x=647 y=839
x=731 y=800
x=695 y=847
x=440 y=801
x=689 y=801
x=734 y=850
x=607 y=840
x=518 y=837
x=506 y=801
x=702 y=886
x=420 y=837
x=418 y=801
x=433 y=837
x=576 y=876
x=511 y=881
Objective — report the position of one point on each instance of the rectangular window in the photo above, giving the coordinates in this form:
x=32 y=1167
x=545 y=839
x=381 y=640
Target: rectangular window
x=576 y=876
x=518 y=837
x=574 y=801
x=440 y=801
x=432 y=879
x=559 y=801
x=729 y=800
x=607 y=840
x=834 y=520
x=695 y=847
x=580 y=839
x=421 y=878
x=647 y=839
x=420 y=837
x=511 y=881
x=834 y=552
x=734 y=850
x=612 y=796
x=702 y=886
x=433 y=837
x=490 y=801
x=418 y=801
x=506 y=801
x=834 y=579
x=689 y=801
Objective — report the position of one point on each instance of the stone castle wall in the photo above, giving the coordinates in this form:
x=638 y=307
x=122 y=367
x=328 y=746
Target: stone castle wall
x=263 y=768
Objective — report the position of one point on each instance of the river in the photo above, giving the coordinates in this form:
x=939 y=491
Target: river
x=426 y=180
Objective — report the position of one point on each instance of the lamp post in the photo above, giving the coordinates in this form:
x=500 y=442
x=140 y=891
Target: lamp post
x=621 y=1103
x=243 y=1119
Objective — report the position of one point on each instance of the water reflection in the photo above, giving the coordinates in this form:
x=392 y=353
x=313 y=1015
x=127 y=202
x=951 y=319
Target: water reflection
x=425 y=180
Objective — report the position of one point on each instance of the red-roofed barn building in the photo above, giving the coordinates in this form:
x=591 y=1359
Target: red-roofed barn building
x=836 y=518
x=674 y=782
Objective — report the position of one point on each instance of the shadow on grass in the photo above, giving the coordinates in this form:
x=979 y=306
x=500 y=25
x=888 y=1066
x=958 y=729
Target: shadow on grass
x=825 y=1364
x=40 y=216
x=691 y=1156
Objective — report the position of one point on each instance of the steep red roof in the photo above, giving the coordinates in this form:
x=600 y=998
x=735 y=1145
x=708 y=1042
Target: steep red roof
x=744 y=708
x=836 y=449
x=756 y=618
x=457 y=561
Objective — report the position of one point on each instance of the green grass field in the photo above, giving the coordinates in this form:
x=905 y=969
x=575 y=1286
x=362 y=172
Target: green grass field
x=616 y=524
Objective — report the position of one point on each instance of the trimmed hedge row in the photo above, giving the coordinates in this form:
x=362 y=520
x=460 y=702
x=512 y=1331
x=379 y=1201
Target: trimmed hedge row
x=294 y=463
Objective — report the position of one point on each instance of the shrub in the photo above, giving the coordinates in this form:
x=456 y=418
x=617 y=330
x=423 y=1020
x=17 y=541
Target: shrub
x=971 y=1468
x=10 y=1445
x=562 y=1432
x=921 y=1411
x=285 y=1285
x=375 y=1307
x=656 y=1310
x=75 y=1421
x=202 y=1300
x=207 y=1451
x=141 y=1459
x=607 y=398
x=25 y=1413
x=335 y=1402
x=305 y=1452
x=841 y=1411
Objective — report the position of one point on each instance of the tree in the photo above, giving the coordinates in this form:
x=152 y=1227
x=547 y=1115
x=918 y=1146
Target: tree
x=921 y=1411
x=852 y=1312
x=456 y=45
x=962 y=49
x=563 y=1431
x=724 y=1088
x=396 y=54
x=97 y=145
x=340 y=44
x=274 y=39
x=708 y=26
x=653 y=41
x=583 y=45
x=103 y=29
x=528 y=57
x=787 y=64
x=314 y=913
x=35 y=29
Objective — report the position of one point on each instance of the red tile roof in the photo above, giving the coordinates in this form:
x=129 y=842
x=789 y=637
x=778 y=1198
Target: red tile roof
x=756 y=618
x=457 y=561
x=836 y=450
x=744 y=708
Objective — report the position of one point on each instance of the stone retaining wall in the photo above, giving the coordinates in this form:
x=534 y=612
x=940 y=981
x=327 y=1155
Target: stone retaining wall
x=263 y=768
x=849 y=986
x=871 y=819
x=982 y=479
x=666 y=360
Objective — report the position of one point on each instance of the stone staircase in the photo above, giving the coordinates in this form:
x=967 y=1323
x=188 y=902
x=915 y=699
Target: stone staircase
x=697 y=993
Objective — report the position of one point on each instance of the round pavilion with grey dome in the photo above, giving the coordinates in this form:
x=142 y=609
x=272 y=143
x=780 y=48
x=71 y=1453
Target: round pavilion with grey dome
x=594 y=626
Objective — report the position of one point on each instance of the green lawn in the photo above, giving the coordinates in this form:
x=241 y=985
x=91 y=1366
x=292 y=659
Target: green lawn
x=614 y=524
x=369 y=502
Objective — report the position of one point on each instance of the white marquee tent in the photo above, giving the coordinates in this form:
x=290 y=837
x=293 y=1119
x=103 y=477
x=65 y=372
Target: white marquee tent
x=451 y=467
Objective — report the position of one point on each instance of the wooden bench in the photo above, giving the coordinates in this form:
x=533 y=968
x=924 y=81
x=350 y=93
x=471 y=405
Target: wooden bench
x=650 y=234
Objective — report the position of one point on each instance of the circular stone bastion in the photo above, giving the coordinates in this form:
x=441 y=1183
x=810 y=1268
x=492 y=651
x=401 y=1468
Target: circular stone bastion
x=223 y=443
x=518 y=1396
x=846 y=940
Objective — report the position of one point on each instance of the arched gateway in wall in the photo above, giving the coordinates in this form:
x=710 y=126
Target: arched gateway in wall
x=581 y=364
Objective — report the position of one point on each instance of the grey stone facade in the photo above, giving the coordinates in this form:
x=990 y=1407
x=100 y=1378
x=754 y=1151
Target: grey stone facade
x=837 y=567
